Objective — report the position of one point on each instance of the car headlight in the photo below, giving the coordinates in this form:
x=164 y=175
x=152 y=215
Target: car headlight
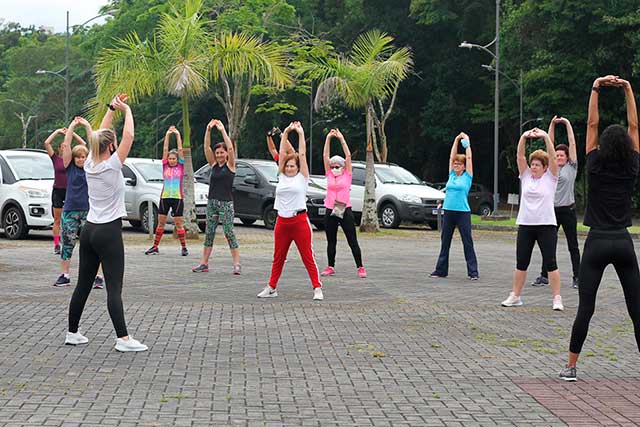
x=34 y=193
x=410 y=198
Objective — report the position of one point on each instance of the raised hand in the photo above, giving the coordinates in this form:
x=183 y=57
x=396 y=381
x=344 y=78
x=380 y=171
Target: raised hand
x=123 y=97
x=339 y=135
x=118 y=104
x=608 y=80
x=62 y=131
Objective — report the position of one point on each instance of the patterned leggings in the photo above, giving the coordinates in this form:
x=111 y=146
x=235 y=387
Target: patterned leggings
x=220 y=211
x=72 y=222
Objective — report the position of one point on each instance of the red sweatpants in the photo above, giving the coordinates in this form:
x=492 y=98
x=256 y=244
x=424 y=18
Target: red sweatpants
x=295 y=229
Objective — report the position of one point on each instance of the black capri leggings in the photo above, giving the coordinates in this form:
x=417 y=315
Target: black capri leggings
x=547 y=238
x=601 y=249
x=100 y=243
x=348 y=224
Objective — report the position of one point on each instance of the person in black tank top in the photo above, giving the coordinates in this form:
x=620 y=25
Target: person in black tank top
x=612 y=169
x=222 y=160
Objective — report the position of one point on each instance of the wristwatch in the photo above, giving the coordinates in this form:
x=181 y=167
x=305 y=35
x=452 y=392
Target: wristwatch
x=111 y=107
x=596 y=89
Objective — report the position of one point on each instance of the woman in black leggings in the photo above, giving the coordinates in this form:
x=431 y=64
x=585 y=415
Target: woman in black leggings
x=612 y=168
x=101 y=238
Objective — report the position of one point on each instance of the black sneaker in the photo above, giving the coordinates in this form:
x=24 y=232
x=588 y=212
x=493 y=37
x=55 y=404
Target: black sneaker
x=62 y=281
x=98 y=283
x=56 y=250
x=569 y=374
x=540 y=281
x=153 y=250
x=184 y=252
x=575 y=283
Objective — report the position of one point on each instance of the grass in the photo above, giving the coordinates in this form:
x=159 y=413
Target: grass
x=511 y=223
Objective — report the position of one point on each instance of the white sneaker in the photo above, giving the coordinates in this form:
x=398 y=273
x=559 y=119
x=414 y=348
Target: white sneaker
x=512 y=301
x=268 y=292
x=557 y=303
x=130 y=345
x=317 y=294
x=75 y=338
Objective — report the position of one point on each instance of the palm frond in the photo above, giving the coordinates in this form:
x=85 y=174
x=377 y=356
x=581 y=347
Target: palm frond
x=371 y=47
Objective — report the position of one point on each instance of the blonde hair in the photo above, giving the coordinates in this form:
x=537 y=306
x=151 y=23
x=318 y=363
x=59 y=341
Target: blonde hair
x=541 y=156
x=79 y=150
x=288 y=157
x=100 y=140
x=460 y=158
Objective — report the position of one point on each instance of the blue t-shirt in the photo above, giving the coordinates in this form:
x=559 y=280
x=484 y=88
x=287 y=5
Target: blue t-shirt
x=77 y=198
x=457 y=193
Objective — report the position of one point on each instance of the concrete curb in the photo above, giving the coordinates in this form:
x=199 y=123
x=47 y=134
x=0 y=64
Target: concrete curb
x=509 y=228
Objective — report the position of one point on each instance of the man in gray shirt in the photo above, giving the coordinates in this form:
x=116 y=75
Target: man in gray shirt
x=565 y=198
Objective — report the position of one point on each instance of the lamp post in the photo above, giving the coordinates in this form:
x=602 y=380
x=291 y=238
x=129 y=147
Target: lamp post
x=65 y=69
x=496 y=95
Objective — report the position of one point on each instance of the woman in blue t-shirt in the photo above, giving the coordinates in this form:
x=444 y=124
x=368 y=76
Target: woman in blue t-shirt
x=456 y=209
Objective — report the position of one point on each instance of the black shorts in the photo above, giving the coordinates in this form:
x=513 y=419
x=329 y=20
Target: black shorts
x=57 y=197
x=175 y=205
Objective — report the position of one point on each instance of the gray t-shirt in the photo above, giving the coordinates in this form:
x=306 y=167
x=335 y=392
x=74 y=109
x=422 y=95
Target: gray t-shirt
x=566 y=185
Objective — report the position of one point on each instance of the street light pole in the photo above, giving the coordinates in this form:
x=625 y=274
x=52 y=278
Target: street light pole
x=496 y=112
x=66 y=73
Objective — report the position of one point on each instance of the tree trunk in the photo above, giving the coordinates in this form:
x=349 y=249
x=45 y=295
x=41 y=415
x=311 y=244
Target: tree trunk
x=369 y=221
x=190 y=220
x=383 y=144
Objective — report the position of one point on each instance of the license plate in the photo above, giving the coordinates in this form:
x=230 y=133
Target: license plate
x=322 y=211
x=434 y=211
x=201 y=210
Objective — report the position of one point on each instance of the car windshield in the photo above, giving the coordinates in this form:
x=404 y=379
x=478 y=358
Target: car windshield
x=396 y=175
x=269 y=170
x=151 y=172
x=32 y=167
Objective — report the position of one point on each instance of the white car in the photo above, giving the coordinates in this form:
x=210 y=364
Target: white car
x=400 y=195
x=143 y=180
x=26 y=182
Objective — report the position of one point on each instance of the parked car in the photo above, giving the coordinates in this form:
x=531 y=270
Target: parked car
x=254 y=192
x=480 y=198
x=143 y=181
x=26 y=182
x=400 y=195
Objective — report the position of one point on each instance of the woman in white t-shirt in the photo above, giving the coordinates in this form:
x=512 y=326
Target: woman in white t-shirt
x=101 y=238
x=536 y=216
x=293 y=223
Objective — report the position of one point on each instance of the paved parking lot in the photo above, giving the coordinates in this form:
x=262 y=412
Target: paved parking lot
x=395 y=349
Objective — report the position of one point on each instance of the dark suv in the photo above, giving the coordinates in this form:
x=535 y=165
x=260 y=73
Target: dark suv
x=480 y=198
x=254 y=191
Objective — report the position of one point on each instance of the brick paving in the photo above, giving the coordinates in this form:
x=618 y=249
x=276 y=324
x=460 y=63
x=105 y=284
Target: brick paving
x=396 y=349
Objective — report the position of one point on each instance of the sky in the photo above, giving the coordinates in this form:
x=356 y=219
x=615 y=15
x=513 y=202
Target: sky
x=50 y=13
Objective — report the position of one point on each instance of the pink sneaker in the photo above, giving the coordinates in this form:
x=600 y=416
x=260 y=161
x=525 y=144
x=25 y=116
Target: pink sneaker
x=362 y=273
x=329 y=271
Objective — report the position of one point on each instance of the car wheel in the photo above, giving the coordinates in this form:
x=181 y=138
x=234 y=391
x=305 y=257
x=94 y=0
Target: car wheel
x=485 y=209
x=14 y=224
x=269 y=216
x=145 y=218
x=135 y=223
x=389 y=216
x=247 y=221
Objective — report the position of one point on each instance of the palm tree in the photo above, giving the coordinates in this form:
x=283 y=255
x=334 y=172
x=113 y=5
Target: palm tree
x=176 y=62
x=238 y=62
x=369 y=75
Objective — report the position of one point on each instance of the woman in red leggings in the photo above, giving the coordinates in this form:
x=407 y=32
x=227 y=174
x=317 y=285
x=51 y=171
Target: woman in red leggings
x=293 y=223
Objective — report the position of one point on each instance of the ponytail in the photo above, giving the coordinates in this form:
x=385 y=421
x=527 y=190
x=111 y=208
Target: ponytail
x=100 y=140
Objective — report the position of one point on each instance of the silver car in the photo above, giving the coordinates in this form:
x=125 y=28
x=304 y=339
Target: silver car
x=143 y=180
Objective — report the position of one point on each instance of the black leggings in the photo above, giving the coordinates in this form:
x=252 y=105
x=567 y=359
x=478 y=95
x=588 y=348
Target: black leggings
x=566 y=217
x=348 y=224
x=100 y=243
x=601 y=249
x=528 y=235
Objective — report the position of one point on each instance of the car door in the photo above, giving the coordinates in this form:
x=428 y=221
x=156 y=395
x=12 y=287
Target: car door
x=357 y=189
x=246 y=183
x=130 y=193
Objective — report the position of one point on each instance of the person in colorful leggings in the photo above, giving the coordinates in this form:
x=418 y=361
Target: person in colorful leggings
x=172 y=196
x=222 y=159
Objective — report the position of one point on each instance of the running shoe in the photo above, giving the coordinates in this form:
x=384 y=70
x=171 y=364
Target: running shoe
x=569 y=373
x=98 y=283
x=56 y=250
x=153 y=250
x=574 y=285
x=473 y=278
x=62 y=281
x=130 y=345
x=362 y=273
x=75 y=338
x=436 y=275
x=557 y=303
x=317 y=294
x=268 y=292
x=202 y=268
x=512 y=301
x=329 y=271
x=237 y=269
x=184 y=252
x=540 y=281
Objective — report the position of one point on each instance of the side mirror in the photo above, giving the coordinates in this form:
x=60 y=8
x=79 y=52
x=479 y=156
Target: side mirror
x=251 y=181
x=130 y=181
